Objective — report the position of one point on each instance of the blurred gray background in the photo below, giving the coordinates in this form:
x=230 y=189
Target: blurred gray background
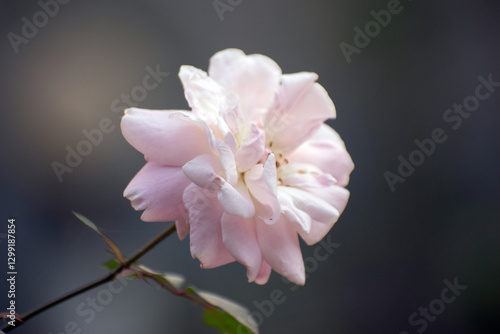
x=396 y=248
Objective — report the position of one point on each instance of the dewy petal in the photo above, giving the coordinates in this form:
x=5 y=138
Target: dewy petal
x=280 y=248
x=326 y=150
x=251 y=150
x=238 y=235
x=236 y=200
x=157 y=190
x=337 y=197
x=205 y=214
x=261 y=181
x=254 y=78
x=203 y=94
x=170 y=137
x=302 y=107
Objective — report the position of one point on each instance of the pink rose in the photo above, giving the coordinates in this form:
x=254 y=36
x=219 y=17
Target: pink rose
x=247 y=170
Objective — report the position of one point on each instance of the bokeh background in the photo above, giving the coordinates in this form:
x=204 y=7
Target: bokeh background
x=396 y=248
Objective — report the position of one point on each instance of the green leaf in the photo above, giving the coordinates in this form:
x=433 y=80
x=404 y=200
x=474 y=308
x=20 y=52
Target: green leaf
x=112 y=246
x=227 y=316
x=112 y=264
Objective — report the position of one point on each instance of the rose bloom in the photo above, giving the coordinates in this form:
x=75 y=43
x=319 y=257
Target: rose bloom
x=247 y=170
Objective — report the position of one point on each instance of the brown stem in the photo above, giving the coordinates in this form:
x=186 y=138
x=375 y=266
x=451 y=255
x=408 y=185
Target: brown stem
x=150 y=245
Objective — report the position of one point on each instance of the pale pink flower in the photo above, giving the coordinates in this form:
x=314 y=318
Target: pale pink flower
x=247 y=170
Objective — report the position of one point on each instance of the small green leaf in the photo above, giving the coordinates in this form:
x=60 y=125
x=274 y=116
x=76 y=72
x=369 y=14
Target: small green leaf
x=112 y=264
x=112 y=246
x=230 y=318
x=226 y=316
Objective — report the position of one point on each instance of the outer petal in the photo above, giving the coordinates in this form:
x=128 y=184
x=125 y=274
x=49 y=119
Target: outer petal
x=238 y=235
x=205 y=214
x=203 y=94
x=170 y=137
x=295 y=215
x=264 y=273
x=314 y=206
x=335 y=196
x=253 y=78
x=326 y=150
x=304 y=175
x=301 y=108
x=158 y=191
x=280 y=248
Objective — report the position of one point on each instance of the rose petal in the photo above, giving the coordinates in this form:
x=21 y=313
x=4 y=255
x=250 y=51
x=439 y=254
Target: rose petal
x=205 y=171
x=170 y=137
x=203 y=94
x=236 y=200
x=291 y=212
x=337 y=197
x=302 y=106
x=238 y=235
x=252 y=149
x=261 y=181
x=264 y=273
x=158 y=191
x=205 y=214
x=228 y=163
x=280 y=248
x=304 y=175
x=314 y=206
x=327 y=151
x=253 y=78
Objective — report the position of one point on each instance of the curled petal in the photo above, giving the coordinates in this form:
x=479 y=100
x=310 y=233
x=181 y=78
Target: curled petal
x=302 y=107
x=252 y=149
x=227 y=162
x=261 y=181
x=327 y=151
x=280 y=248
x=314 y=206
x=236 y=200
x=181 y=137
x=239 y=237
x=203 y=94
x=205 y=214
x=337 y=197
x=205 y=171
x=292 y=213
x=157 y=190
